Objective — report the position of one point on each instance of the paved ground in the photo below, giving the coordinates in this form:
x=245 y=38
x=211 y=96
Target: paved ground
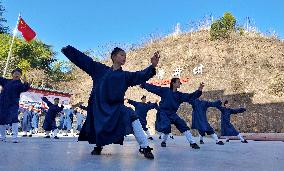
x=36 y=153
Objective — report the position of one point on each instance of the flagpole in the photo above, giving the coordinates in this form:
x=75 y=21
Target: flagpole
x=12 y=42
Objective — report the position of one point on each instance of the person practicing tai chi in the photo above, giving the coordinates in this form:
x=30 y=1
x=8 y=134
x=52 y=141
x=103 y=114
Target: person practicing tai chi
x=35 y=120
x=227 y=129
x=200 y=121
x=9 y=102
x=67 y=123
x=141 y=109
x=80 y=119
x=171 y=99
x=108 y=119
x=49 y=123
x=27 y=121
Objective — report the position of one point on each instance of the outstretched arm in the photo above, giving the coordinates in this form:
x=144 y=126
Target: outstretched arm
x=185 y=97
x=132 y=102
x=139 y=77
x=153 y=89
x=2 y=81
x=25 y=87
x=44 y=99
x=239 y=110
x=214 y=104
x=60 y=108
x=189 y=97
x=83 y=61
x=152 y=105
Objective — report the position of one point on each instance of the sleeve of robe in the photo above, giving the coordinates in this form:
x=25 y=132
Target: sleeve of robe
x=2 y=81
x=139 y=77
x=132 y=102
x=239 y=110
x=44 y=99
x=59 y=109
x=152 y=105
x=189 y=97
x=214 y=104
x=83 y=61
x=24 y=87
x=153 y=89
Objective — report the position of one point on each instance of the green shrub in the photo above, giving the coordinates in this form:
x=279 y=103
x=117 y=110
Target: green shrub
x=222 y=27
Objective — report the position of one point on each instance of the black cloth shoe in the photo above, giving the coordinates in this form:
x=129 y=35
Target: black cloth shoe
x=160 y=137
x=194 y=145
x=220 y=143
x=147 y=152
x=201 y=142
x=245 y=141
x=56 y=137
x=24 y=135
x=227 y=140
x=30 y=135
x=163 y=144
x=141 y=150
x=47 y=136
x=150 y=138
x=97 y=151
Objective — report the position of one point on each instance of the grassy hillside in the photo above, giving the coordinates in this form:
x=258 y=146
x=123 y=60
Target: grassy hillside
x=245 y=69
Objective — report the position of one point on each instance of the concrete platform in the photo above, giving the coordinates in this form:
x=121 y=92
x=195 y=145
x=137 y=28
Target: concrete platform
x=39 y=154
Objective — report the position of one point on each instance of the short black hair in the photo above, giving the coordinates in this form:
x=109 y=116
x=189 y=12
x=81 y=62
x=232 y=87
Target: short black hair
x=226 y=102
x=143 y=97
x=56 y=98
x=173 y=80
x=17 y=70
x=115 y=51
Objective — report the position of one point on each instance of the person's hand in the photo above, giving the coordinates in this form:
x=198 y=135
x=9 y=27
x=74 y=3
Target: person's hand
x=201 y=86
x=24 y=79
x=31 y=81
x=155 y=59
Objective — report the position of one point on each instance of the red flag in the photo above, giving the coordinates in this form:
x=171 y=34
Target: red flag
x=27 y=32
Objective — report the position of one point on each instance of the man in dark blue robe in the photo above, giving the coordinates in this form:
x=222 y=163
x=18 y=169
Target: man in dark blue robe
x=108 y=119
x=168 y=106
x=49 y=123
x=200 y=121
x=227 y=129
x=141 y=109
x=9 y=102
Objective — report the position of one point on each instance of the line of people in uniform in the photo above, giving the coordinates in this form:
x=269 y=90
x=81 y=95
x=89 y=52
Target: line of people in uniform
x=30 y=121
x=10 y=110
x=166 y=115
x=108 y=119
x=65 y=118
